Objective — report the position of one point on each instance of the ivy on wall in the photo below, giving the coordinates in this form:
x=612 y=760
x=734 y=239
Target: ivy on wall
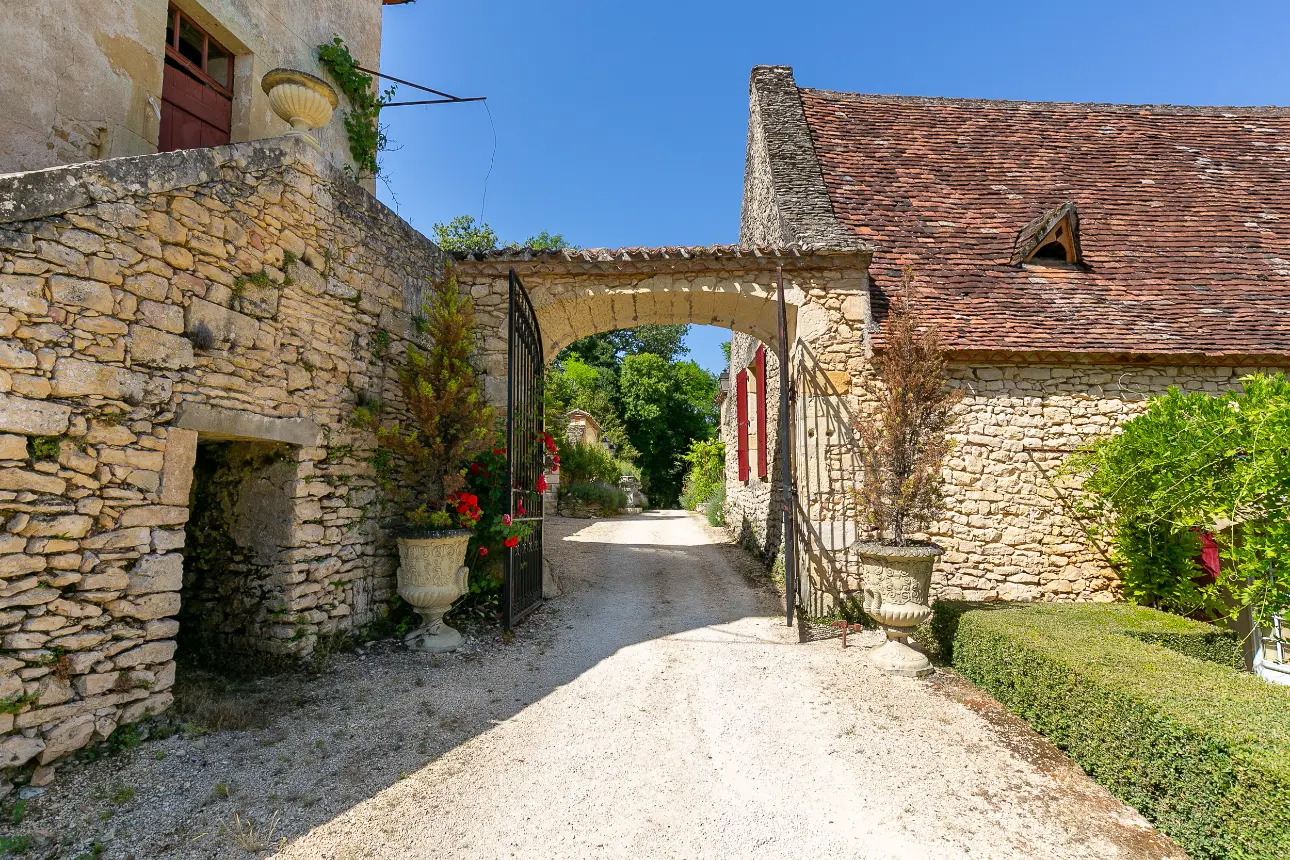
x=362 y=121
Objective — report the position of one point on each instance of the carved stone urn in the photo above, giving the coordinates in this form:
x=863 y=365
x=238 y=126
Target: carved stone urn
x=896 y=583
x=303 y=100
x=431 y=577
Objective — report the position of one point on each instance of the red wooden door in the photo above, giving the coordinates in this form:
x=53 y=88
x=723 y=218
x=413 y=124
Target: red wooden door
x=196 y=89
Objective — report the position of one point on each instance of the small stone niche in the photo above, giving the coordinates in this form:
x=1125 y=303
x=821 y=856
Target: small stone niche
x=241 y=518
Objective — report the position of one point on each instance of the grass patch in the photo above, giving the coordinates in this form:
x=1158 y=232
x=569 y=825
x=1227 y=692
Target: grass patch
x=1149 y=704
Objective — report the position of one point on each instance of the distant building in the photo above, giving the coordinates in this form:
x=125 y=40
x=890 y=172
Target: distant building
x=583 y=427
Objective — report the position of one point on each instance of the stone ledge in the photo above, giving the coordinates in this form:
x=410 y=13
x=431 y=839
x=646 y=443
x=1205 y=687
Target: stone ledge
x=217 y=422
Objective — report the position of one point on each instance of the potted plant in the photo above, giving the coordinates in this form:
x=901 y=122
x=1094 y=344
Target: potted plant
x=903 y=441
x=448 y=422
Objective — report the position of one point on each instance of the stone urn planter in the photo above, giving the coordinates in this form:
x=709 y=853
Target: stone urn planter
x=896 y=584
x=303 y=100
x=431 y=576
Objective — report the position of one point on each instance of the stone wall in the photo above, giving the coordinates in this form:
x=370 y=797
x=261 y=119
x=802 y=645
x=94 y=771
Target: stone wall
x=149 y=306
x=752 y=505
x=81 y=79
x=1008 y=529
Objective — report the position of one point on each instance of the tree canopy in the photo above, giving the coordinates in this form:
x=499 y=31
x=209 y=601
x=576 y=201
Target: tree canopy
x=463 y=233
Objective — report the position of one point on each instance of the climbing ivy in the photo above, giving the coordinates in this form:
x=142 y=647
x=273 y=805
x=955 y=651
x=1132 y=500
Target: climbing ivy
x=362 y=120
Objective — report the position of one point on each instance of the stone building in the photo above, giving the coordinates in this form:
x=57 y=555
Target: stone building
x=583 y=427
x=1077 y=260
x=87 y=79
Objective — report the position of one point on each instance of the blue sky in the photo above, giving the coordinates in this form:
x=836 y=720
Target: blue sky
x=624 y=123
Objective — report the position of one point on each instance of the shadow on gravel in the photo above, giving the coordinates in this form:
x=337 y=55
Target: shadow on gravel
x=302 y=749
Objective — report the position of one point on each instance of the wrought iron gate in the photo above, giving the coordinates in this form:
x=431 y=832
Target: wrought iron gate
x=817 y=456
x=525 y=454
x=788 y=492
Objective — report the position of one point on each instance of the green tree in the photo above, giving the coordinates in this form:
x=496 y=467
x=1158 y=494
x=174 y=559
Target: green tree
x=545 y=241
x=463 y=234
x=666 y=407
x=606 y=350
x=578 y=385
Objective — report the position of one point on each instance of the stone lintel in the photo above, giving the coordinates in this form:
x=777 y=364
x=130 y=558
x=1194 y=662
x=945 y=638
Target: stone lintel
x=218 y=422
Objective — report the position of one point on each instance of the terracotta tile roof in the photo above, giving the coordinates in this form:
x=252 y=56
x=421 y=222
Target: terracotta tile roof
x=1184 y=219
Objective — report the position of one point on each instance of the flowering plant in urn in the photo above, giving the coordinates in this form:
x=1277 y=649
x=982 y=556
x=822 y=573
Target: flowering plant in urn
x=903 y=442
x=448 y=423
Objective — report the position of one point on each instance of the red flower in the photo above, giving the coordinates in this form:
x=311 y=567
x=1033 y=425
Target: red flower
x=541 y=484
x=512 y=541
x=483 y=550
x=474 y=500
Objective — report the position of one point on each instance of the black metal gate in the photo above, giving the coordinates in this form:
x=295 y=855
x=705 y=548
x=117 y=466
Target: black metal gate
x=525 y=454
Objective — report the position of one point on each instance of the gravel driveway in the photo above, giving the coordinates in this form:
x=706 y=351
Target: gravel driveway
x=660 y=708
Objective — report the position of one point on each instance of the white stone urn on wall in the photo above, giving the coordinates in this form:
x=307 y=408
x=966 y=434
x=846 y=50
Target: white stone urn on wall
x=897 y=580
x=431 y=576
x=303 y=100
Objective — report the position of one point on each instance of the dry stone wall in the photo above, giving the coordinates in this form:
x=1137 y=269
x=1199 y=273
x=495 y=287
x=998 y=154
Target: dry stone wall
x=149 y=306
x=1008 y=530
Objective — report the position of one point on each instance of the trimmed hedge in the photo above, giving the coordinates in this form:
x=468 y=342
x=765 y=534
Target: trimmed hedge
x=1149 y=706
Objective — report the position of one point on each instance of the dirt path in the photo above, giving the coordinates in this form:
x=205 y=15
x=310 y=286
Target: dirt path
x=659 y=709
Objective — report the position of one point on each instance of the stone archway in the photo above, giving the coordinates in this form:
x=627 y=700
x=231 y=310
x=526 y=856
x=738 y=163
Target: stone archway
x=576 y=293
x=581 y=292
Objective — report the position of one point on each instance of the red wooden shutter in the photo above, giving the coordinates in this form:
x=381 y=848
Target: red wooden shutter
x=759 y=373
x=741 y=421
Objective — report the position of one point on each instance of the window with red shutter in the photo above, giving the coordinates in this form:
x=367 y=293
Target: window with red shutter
x=741 y=420
x=759 y=371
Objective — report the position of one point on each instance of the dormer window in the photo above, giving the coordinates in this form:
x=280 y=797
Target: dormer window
x=1050 y=239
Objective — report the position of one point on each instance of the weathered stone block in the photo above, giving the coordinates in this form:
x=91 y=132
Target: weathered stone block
x=18 y=564
x=153 y=515
x=146 y=654
x=67 y=737
x=165 y=317
x=16 y=751
x=20 y=479
x=156 y=573
x=177 y=466
x=160 y=349
x=224 y=325
x=33 y=417
x=147 y=607
x=80 y=293
x=76 y=378
x=68 y=525
x=13 y=447
x=23 y=293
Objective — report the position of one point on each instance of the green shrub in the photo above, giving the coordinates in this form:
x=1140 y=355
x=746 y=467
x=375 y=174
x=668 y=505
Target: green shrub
x=1200 y=749
x=707 y=470
x=1197 y=463
x=715 y=502
x=581 y=463
x=608 y=497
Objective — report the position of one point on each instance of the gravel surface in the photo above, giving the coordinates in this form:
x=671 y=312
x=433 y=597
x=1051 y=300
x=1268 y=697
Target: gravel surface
x=660 y=708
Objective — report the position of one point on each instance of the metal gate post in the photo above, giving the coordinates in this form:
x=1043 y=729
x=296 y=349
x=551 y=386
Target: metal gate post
x=785 y=456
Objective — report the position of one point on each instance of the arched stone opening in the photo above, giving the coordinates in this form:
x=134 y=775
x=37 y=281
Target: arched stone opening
x=582 y=292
